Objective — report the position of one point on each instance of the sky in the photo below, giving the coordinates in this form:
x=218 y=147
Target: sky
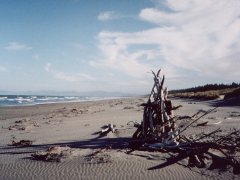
x=110 y=45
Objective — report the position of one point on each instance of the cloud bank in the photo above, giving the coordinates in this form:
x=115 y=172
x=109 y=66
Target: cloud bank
x=191 y=35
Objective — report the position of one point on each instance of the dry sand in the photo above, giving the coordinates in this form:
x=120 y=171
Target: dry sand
x=75 y=125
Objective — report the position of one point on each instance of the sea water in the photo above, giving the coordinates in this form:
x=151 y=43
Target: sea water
x=21 y=100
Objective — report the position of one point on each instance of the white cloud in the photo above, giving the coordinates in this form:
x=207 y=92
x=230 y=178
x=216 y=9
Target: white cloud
x=77 y=77
x=105 y=16
x=194 y=35
x=17 y=46
x=2 y=68
x=118 y=58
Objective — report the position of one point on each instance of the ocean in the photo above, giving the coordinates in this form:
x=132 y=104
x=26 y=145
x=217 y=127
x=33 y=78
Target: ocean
x=26 y=100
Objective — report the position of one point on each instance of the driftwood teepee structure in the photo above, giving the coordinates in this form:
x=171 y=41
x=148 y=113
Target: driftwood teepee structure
x=158 y=122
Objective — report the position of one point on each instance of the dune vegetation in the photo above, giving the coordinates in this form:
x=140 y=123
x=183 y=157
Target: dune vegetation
x=208 y=92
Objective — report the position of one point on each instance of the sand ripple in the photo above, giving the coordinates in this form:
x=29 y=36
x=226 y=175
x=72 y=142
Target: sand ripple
x=122 y=166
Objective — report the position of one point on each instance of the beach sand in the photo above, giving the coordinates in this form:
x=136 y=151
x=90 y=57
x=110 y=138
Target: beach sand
x=75 y=125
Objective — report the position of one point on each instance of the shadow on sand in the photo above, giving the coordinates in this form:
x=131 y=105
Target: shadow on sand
x=95 y=143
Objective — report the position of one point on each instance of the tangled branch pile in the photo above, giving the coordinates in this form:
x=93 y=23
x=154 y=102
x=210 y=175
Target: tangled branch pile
x=158 y=132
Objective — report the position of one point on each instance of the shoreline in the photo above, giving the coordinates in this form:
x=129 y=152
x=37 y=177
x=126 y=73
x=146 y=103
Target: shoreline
x=58 y=99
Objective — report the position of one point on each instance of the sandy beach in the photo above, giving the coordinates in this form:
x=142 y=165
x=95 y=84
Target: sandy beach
x=75 y=125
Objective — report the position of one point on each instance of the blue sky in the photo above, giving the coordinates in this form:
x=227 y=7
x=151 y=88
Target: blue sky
x=80 y=45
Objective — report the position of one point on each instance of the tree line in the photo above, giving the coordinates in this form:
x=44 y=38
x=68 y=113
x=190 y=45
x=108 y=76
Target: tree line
x=207 y=87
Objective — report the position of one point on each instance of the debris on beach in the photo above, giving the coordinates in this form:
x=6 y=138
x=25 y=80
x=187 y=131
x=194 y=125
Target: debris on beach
x=158 y=131
x=21 y=143
x=22 y=120
x=202 y=124
x=106 y=129
x=23 y=125
x=53 y=154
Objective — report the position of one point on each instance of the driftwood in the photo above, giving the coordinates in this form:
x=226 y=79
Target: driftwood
x=158 y=118
x=202 y=124
x=158 y=132
x=106 y=129
x=196 y=150
x=21 y=143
